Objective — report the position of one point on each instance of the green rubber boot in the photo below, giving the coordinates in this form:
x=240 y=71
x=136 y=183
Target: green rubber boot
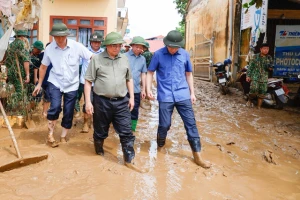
x=133 y=124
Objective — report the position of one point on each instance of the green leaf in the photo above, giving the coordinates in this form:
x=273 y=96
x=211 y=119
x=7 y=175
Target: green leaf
x=245 y=5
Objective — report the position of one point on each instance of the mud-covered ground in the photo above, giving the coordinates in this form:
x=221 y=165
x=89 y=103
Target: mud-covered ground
x=255 y=154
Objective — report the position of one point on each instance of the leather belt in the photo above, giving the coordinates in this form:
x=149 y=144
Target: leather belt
x=112 y=98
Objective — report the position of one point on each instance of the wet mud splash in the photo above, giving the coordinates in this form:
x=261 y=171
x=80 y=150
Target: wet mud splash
x=255 y=154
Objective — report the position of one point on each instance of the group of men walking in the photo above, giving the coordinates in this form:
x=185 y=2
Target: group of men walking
x=114 y=84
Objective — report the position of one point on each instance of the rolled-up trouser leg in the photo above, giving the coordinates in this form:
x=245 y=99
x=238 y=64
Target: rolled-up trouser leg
x=68 y=109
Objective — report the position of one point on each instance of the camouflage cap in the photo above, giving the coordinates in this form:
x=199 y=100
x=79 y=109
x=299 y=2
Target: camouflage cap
x=21 y=33
x=147 y=44
x=39 y=45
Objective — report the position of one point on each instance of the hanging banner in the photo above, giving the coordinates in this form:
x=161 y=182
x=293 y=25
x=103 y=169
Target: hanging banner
x=256 y=19
x=287 y=51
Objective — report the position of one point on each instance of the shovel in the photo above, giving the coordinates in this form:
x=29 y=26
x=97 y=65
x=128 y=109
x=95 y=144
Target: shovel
x=28 y=122
x=20 y=162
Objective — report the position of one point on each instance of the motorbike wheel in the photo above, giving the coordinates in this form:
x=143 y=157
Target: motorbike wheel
x=279 y=104
x=223 y=90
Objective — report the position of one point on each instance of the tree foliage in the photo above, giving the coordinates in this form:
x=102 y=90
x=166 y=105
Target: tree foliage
x=180 y=6
x=258 y=3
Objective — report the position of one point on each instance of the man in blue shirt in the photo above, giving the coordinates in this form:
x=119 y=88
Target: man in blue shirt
x=175 y=89
x=63 y=81
x=138 y=68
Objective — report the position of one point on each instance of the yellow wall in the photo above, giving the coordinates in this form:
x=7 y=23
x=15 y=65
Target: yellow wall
x=86 y=8
x=209 y=18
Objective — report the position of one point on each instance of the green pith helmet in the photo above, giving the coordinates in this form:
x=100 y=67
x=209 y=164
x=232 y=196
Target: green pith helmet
x=59 y=29
x=113 y=38
x=96 y=37
x=21 y=33
x=38 y=44
x=147 y=44
x=138 y=40
x=174 y=39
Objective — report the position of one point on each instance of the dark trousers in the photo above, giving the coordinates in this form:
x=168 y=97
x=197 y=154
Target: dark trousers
x=137 y=102
x=185 y=110
x=55 y=105
x=78 y=97
x=112 y=111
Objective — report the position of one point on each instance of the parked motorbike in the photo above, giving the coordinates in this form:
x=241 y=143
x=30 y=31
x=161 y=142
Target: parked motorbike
x=223 y=74
x=276 y=96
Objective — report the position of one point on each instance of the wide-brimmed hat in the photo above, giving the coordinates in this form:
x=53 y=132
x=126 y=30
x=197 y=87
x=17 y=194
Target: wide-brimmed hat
x=59 y=29
x=174 y=39
x=138 y=40
x=96 y=37
x=147 y=44
x=38 y=44
x=21 y=33
x=113 y=38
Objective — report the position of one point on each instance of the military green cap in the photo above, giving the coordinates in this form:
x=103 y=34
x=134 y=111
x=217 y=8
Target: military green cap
x=21 y=33
x=174 y=39
x=113 y=38
x=96 y=37
x=59 y=29
x=38 y=44
x=138 y=40
x=147 y=44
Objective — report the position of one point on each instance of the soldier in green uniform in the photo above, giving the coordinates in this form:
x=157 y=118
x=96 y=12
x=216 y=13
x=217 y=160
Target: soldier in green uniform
x=147 y=54
x=145 y=104
x=36 y=57
x=17 y=50
x=257 y=73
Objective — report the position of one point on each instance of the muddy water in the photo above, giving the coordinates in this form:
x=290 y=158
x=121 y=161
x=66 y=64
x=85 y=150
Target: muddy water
x=254 y=155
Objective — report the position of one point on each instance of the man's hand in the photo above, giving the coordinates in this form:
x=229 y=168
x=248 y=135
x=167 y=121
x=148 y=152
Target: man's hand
x=131 y=103
x=193 y=98
x=248 y=79
x=36 y=90
x=27 y=80
x=143 y=94
x=89 y=108
x=150 y=95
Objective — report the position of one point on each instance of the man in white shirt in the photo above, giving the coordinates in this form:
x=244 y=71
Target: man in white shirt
x=64 y=54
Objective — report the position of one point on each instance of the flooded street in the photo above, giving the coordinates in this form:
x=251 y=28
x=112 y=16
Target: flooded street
x=255 y=154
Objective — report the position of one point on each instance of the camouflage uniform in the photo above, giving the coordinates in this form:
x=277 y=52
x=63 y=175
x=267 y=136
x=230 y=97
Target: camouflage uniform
x=148 y=55
x=258 y=73
x=16 y=47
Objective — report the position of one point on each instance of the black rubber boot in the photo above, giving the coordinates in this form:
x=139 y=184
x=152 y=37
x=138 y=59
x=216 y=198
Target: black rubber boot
x=99 y=147
x=128 y=151
x=196 y=148
x=160 y=141
x=128 y=154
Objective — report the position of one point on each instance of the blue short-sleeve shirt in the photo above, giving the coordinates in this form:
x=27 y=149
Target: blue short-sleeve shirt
x=170 y=70
x=137 y=67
